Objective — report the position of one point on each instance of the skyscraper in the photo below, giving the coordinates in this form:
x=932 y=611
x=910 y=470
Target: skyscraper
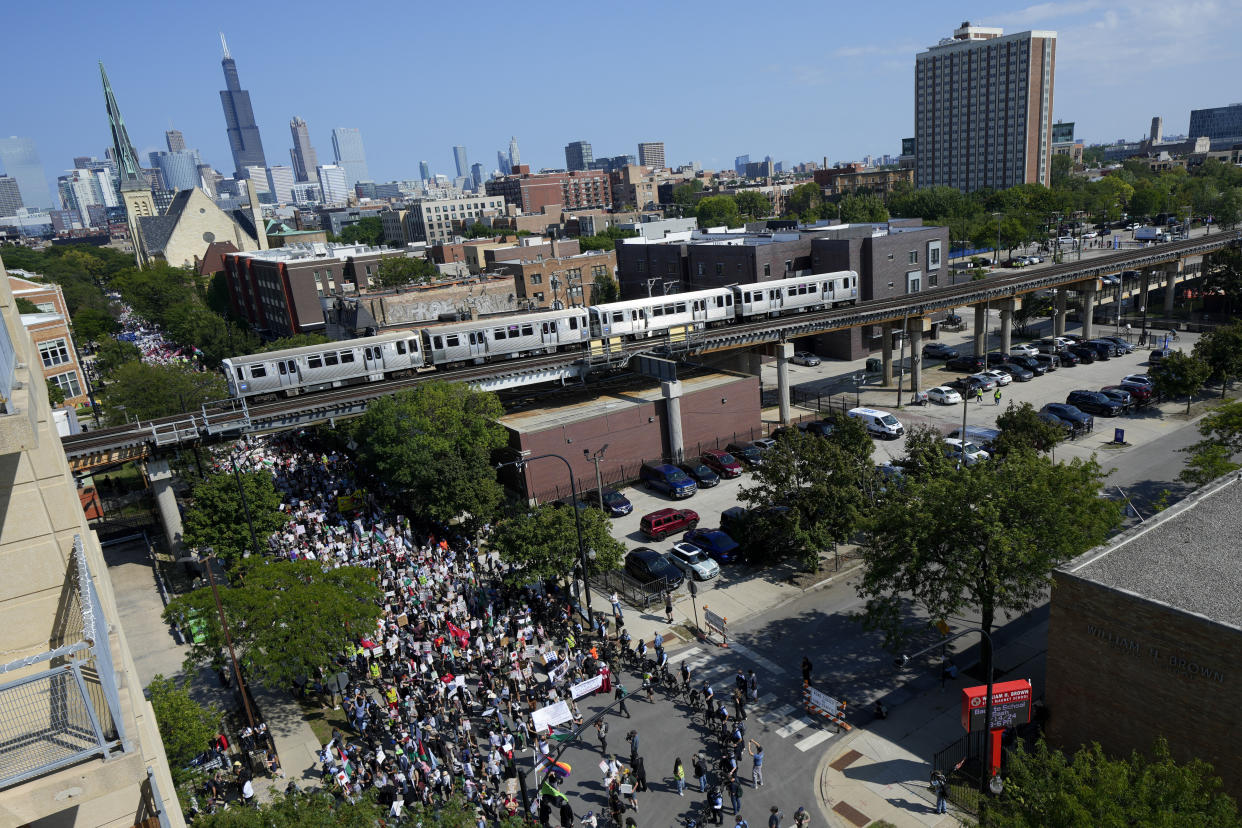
x=305 y=159
x=135 y=192
x=333 y=184
x=983 y=109
x=424 y=171
x=347 y=148
x=178 y=169
x=1222 y=124
x=478 y=175
x=174 y=139
x=10 y=196
x=280 y=183
x=651 y=154
x=502 y=162
x=243 y=132
x=578 y=155
x=20 y=159
x=515 y=157
x=739 y=164
x=463 y=165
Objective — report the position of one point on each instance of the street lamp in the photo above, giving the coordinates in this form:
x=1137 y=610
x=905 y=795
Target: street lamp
x=900 y=663
x=597 y=458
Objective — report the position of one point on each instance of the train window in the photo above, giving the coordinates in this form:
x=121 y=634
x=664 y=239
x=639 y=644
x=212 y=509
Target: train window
x=681 y=307
x=545 y=329
x=499 y=333
x=413 y=346
x=258 y=371
x=282 y=368
x=618 y=316
x=314 y=361
x=438 y=343
x=729 y=300
x=293 y=366
x=366 y=352
x=528 y=330
x=400 y=347
x=238 y=369
x=658 y=310
x=452 y=340
x=573 y=323
x=347 y=356
x=330 y=358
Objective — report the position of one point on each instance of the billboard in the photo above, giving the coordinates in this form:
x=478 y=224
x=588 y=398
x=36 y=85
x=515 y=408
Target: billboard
x=1011 y=705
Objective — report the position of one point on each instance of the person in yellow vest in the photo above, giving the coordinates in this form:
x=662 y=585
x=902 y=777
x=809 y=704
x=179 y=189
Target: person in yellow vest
x=391 y=694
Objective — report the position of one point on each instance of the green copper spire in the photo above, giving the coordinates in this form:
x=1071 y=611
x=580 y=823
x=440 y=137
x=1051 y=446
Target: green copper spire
x=128 y=169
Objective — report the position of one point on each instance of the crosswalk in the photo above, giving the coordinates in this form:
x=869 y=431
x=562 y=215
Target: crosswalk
x=707 y=666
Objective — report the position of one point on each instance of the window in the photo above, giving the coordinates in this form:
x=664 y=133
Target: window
x=913 y=257
x=767 y=269
x=68 y=383
x=539 y=296
x=54 y=352
x=258 y=371
x=536 y=278
x=788 y=265
x=719 y=269
x=914 y=281
x=330 y=358
x=314 y=361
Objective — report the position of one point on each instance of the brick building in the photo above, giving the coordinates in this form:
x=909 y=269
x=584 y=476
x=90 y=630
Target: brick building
x=1145 y=637
x=854 y=177
x=568 y=280
x=543 y=192
x=49 y=331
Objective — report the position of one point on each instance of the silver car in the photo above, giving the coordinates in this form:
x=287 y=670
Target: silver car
x=693 y=561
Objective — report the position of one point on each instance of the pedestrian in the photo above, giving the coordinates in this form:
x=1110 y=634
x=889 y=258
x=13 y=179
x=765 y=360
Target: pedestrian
x=741 y=823
x=806 y=671
x=616 y=607
x=620 y=696
x=996 y=395
x=700 y=772
x=752 y=684
x=628 y=788
x=632 y=738
x=601 y=730
x=679 y=776
x=979 y=395
x=735 y=795
x=774 y=818
x=717 y=801
x=567 y=814
x=668 y=606
x=640 y=774
x=801 y=818
x=756 y=772
x=940 y=787
x=739 y=704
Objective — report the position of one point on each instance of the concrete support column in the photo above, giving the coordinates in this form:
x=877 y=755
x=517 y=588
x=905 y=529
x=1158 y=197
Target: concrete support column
x=784 y=350
x=915 y=330
x=672 y=417
x=1088 y=309
x=1170 y=285
x=1006 y=318
x=1058 y=318
x=1144 y=282
x=981 y=329
x=886 y=356
x=161 y=478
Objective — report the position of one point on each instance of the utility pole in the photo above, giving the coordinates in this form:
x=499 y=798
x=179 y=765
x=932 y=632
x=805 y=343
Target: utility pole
x=228 y=639
x=596 y=458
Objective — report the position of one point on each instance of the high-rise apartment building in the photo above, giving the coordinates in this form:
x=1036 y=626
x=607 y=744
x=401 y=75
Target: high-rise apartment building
x=1222 y=124
x=983 y=109
x=515 y=157
x=304 y=157
x=179 y=169
x=280 y=183
x=547 y=191
x=478 y=175
x=333 y=183
x=502 y=162
x=432 y=219
x=350 y=155
x=459 y=158
x=243 y=132
x=20 y=159
x=651 y=154
x=424 y=171
x=578 y=155
x=174 y=139
x=10 y=196
x=739 y=164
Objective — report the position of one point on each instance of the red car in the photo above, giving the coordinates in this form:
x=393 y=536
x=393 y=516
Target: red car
x=664 y=522
x=722 y=463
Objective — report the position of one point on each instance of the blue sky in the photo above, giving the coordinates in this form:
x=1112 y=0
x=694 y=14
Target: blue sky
x=796 y=80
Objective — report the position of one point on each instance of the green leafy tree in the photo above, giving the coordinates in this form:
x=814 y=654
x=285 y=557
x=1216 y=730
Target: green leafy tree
x=824 y=485
x=186 y=727
x=543 y=542
x=684 y=195
x=145 y=392
x=94 y=324
x=1044 y=788
x=479 y=230
x=295 y=341
x=925 y=456
x=24 y=305
x=1223 y=275
x=369 y=230
x=1022 y=429
x=605 y=290
x=985 y=537
x=862 y=208
x=1221 y=349
x=217 y=519
x=717 y=211
x=1213 y=456
x=435 y=443
x=1179 y=375
x=113 y=353
x=1061 y=166
x=395 y=271
x=55 y=394
x=752 y=204
x=1207 y=462
x=607 y=239
x=287 y=618
x=804 y=201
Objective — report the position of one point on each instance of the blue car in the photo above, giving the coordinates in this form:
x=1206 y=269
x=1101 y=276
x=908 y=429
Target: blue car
x=718 y=546
x=614 y=503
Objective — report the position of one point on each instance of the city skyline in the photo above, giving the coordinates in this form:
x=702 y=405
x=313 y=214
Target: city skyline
x=1158 y=48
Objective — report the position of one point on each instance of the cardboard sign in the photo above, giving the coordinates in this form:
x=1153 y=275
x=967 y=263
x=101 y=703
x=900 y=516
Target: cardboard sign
x=589 y=686
x=551 y=716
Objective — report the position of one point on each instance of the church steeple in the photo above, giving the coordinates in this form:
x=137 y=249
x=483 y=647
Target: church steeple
x=135 y=190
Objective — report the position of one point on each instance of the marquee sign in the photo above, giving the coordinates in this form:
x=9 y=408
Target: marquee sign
x=1011 y=705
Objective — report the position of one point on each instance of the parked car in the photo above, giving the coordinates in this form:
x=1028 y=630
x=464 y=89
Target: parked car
x=1034 y=259
x=965 y=363
x=998 y=376
x=716 y=543
x=667 y=478
x=1105 y=346
x=650 y=567
x=995 y=358
x=1053 y=344
x=748 y=453
x=722 y=463
x=1139 y=379
x=1016 y=372
x=1158 y=354
x=1093 y=402
x=877 y=422
x=967 y=386
x=1053 y=419
x=1123 y=347
x=938 y=350
x=701 y=473
x=1051 y=362
x=664 y=522
x=1030 y=363
x=1142 y=394
x=966 y=452
x=1119 y=395
x=1085 y=354
x=805 y=358
x=1024 y=350
x=1079 y=420
x=765 y=443
x=944 y=395
x=693 y=561
x=820 y=428
x=612 y=502
x=987 y=382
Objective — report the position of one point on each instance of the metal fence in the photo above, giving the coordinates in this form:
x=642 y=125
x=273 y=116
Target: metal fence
x=631 y=590
x=69 y=712
x=962 y=764
x=825 y=404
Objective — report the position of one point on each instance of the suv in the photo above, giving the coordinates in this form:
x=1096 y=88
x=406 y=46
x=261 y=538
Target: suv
x=749 y=453
x=1119 y=395
x=1078 y=421
x=1093 y=402
x=1050 y=361
x=1123 y=347
x=667 y=478
x=965 y=363
x=664 y=522
x=938 y=350
x=1086 y=354
x=1103 y=347
x=722 y=463
x=1141 y=393
x=1030 y=363
x=648 y=566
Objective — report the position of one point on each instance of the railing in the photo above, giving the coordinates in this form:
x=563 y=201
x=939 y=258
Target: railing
x=631 y=590
x=8 y=365
x=70 y=712
x=961 y=763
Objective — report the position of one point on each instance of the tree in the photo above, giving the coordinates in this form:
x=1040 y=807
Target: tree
x=985 y=537
x=287 y=618
x=1223 y=275
x=321 y=809
x=925 y=455
x=1061 y=166
x=684 y=194
x=93 y=324
x=24 y=305
x=295 y=341
x=55 y=394
x=144 y=392
x=606 y=239
x=804 y=201
x=186 y=727
x=543 y=542
x=1022 y=429
x=113 y=353
x=1046 y=789
x=1212 y=457
x=717 y=211
x=395 y=271
x=1221 y=350
x=752 y=204
x=824 y=483
x=435 y=444
x=369 y=230
x=1033 y=306
x=1179 y=375
x=216 y=518
x=606 y=289
x=862 y=208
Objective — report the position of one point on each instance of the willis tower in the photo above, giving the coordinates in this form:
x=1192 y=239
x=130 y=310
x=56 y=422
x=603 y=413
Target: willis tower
x=244 y=138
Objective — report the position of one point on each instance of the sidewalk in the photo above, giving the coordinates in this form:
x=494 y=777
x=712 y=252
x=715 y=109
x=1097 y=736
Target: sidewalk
x=880 y=771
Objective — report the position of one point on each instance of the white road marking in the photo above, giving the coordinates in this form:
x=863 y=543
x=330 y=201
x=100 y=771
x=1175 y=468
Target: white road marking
x=792 y=728
x=682 y=655
x=813 y=740
x=747 y=652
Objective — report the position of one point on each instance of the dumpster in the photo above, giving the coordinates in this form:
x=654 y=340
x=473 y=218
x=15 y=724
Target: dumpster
x=873 y=366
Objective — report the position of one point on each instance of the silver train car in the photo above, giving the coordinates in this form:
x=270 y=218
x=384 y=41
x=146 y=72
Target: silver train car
x=505 y=338
x=657 y=314
x=818 y=291
x=316 y=367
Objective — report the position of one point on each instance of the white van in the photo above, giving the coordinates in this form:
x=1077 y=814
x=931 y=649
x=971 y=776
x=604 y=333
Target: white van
x=879 y=423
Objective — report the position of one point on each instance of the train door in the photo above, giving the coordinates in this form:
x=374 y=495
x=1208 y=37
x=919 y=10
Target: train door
x=287 y=374
x=373 y=361
x=477 y=340
x=548 y=336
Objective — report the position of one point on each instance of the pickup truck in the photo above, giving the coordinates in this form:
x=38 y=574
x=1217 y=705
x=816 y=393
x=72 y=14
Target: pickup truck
x=1151 y=234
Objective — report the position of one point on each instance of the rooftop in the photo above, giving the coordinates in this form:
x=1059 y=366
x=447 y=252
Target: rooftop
x=312 y=250
x=1187 y=557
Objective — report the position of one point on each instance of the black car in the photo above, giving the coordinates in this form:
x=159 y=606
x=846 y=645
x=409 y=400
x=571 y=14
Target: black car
x=1018 y=372
x=973 y=364
x=1053 y=419
x=1068 y=358
x=1123 y=347
x=1093 y=402
x=701 y=474
x=648 y=566
x=1050 y=361
x=938 y=350
x=994 y=360
x=1030 y=363
x=613 y=502
x=967 y=386
x=1104 y=348
x=1079 y=421
x=748 y=453
x=1120 y=396
x=1085 y=354
x=819 y=428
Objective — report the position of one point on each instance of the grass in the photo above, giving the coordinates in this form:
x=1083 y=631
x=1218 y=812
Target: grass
x=322 y=721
